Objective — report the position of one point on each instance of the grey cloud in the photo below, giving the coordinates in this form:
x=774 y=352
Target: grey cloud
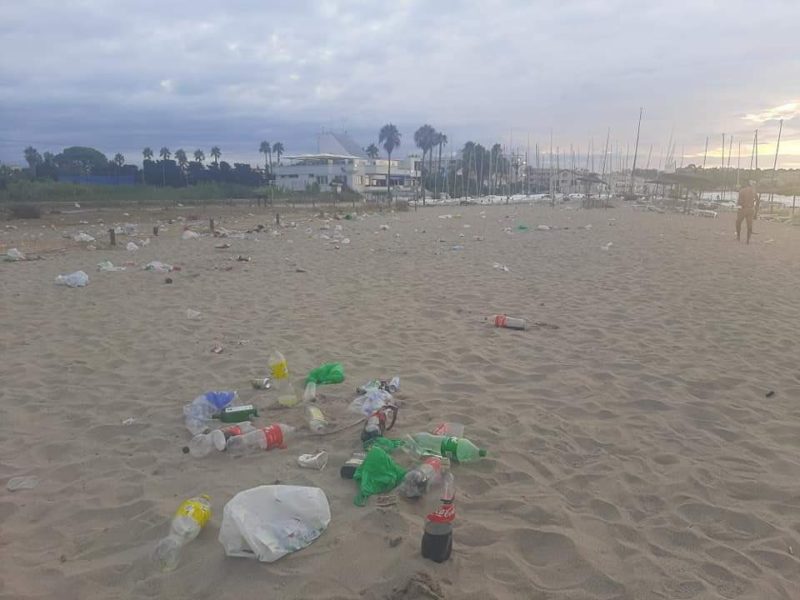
x=121 y=75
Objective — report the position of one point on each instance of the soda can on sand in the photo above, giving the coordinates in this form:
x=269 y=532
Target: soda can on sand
x=261 y=383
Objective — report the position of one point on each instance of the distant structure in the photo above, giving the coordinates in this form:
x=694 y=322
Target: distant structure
x=342 y=164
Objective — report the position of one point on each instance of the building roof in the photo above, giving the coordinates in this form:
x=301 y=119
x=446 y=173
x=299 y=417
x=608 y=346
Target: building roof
x=339 y=143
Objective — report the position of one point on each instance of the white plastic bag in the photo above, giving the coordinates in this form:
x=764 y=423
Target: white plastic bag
x=131 y=247
x=158 y=267
x=76 y=279
x=270 y=521
x=83 y=237
x=372 y=400
x=188 y=234
x=14 y=255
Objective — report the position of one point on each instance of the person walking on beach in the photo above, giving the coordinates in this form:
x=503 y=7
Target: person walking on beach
x=747 y=210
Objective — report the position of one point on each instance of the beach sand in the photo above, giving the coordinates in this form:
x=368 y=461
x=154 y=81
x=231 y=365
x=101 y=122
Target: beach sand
x=633 y=452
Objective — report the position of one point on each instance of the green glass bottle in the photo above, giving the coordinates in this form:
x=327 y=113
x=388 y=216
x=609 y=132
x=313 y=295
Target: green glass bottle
x=454 y=448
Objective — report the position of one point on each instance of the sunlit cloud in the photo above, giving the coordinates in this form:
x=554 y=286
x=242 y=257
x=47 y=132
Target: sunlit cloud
x=784 y=111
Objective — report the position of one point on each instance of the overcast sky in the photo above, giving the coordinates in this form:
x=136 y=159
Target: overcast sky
x=123 y=75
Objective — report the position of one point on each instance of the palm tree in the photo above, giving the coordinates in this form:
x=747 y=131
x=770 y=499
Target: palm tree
x=277 y=148
x=180 y=156
x=215 y=154
x=119 y=160
x=372 y=151
x=441 y=140
x=164 y=153
x=389 y=136
x=147 y=153
x=264 y=148
x=425 y=139
x=199 y=156
x=33 y=158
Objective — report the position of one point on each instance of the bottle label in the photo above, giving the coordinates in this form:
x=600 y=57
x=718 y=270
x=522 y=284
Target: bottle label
x=434 y=462
x=231 y=431
x=446 y=513
x=280 y=370
x=449 y=446
x=194 y=509
x=500 y=320
x=245 y=408
x=274 y=436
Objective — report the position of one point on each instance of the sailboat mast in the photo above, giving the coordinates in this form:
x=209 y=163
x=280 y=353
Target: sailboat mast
x=636 y=147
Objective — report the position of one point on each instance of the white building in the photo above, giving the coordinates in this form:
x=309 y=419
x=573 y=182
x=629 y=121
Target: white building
x=341 y=165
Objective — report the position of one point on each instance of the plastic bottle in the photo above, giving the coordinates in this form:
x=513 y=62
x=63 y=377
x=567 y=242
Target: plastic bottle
x=280 y=379
x=454 y=448
x=507 y=322
x=349 y=468
x=449 y=428
x=266 y=438
x=317 y=422
x=437 y=541
x=310 y=393
x=190 y=518
x=420 y=479
x=203 y=443
x=199 y=412
x=237 y=414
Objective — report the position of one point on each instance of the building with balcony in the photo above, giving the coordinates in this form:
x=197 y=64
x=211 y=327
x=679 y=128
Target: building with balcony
x=341 y=165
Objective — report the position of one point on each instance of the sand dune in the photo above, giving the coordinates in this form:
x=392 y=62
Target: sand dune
x=633 y=451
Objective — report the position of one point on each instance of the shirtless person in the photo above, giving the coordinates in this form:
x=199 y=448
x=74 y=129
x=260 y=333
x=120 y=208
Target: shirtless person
x=747 y=210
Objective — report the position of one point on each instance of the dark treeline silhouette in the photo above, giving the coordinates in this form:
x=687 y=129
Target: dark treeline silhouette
x=78 y=163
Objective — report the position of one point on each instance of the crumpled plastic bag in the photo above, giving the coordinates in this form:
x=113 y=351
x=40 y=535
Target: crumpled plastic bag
x=270 y=521
x=377 y=474
x=327 y=373
x=371 y=401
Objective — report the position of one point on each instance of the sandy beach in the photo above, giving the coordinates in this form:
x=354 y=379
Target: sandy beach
x=633 y=450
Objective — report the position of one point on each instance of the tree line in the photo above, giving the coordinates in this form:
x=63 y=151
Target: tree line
x=171 y=169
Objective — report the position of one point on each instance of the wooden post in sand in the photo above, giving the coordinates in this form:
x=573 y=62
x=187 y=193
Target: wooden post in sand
x=211 y=225
x=155 y=230
x=277 y=219
x=112 y=236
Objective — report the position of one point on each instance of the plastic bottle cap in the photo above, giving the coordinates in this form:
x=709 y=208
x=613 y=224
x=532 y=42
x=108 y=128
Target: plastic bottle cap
x=482 y=452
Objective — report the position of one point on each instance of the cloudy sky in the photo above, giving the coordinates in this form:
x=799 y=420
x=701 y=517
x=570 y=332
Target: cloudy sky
x=123 y=75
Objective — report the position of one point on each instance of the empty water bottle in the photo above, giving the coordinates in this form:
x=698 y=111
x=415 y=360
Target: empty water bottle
x=266 y=438
x=203 y=443
x=188 y=522
x=316 y=419
x=279 y=369
x=421 y=478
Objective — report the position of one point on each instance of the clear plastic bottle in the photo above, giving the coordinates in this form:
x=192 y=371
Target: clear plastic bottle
x=310 y=393
x=454 y=448
x=190 y=518
x=199 y=412
x=421 y=478
x=203 y=443
x=266 y=438
x=279 y=369
x=317 y=422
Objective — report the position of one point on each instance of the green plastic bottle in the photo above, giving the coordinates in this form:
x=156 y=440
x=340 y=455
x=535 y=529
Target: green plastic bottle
x=454 y=448
x=237 y=414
